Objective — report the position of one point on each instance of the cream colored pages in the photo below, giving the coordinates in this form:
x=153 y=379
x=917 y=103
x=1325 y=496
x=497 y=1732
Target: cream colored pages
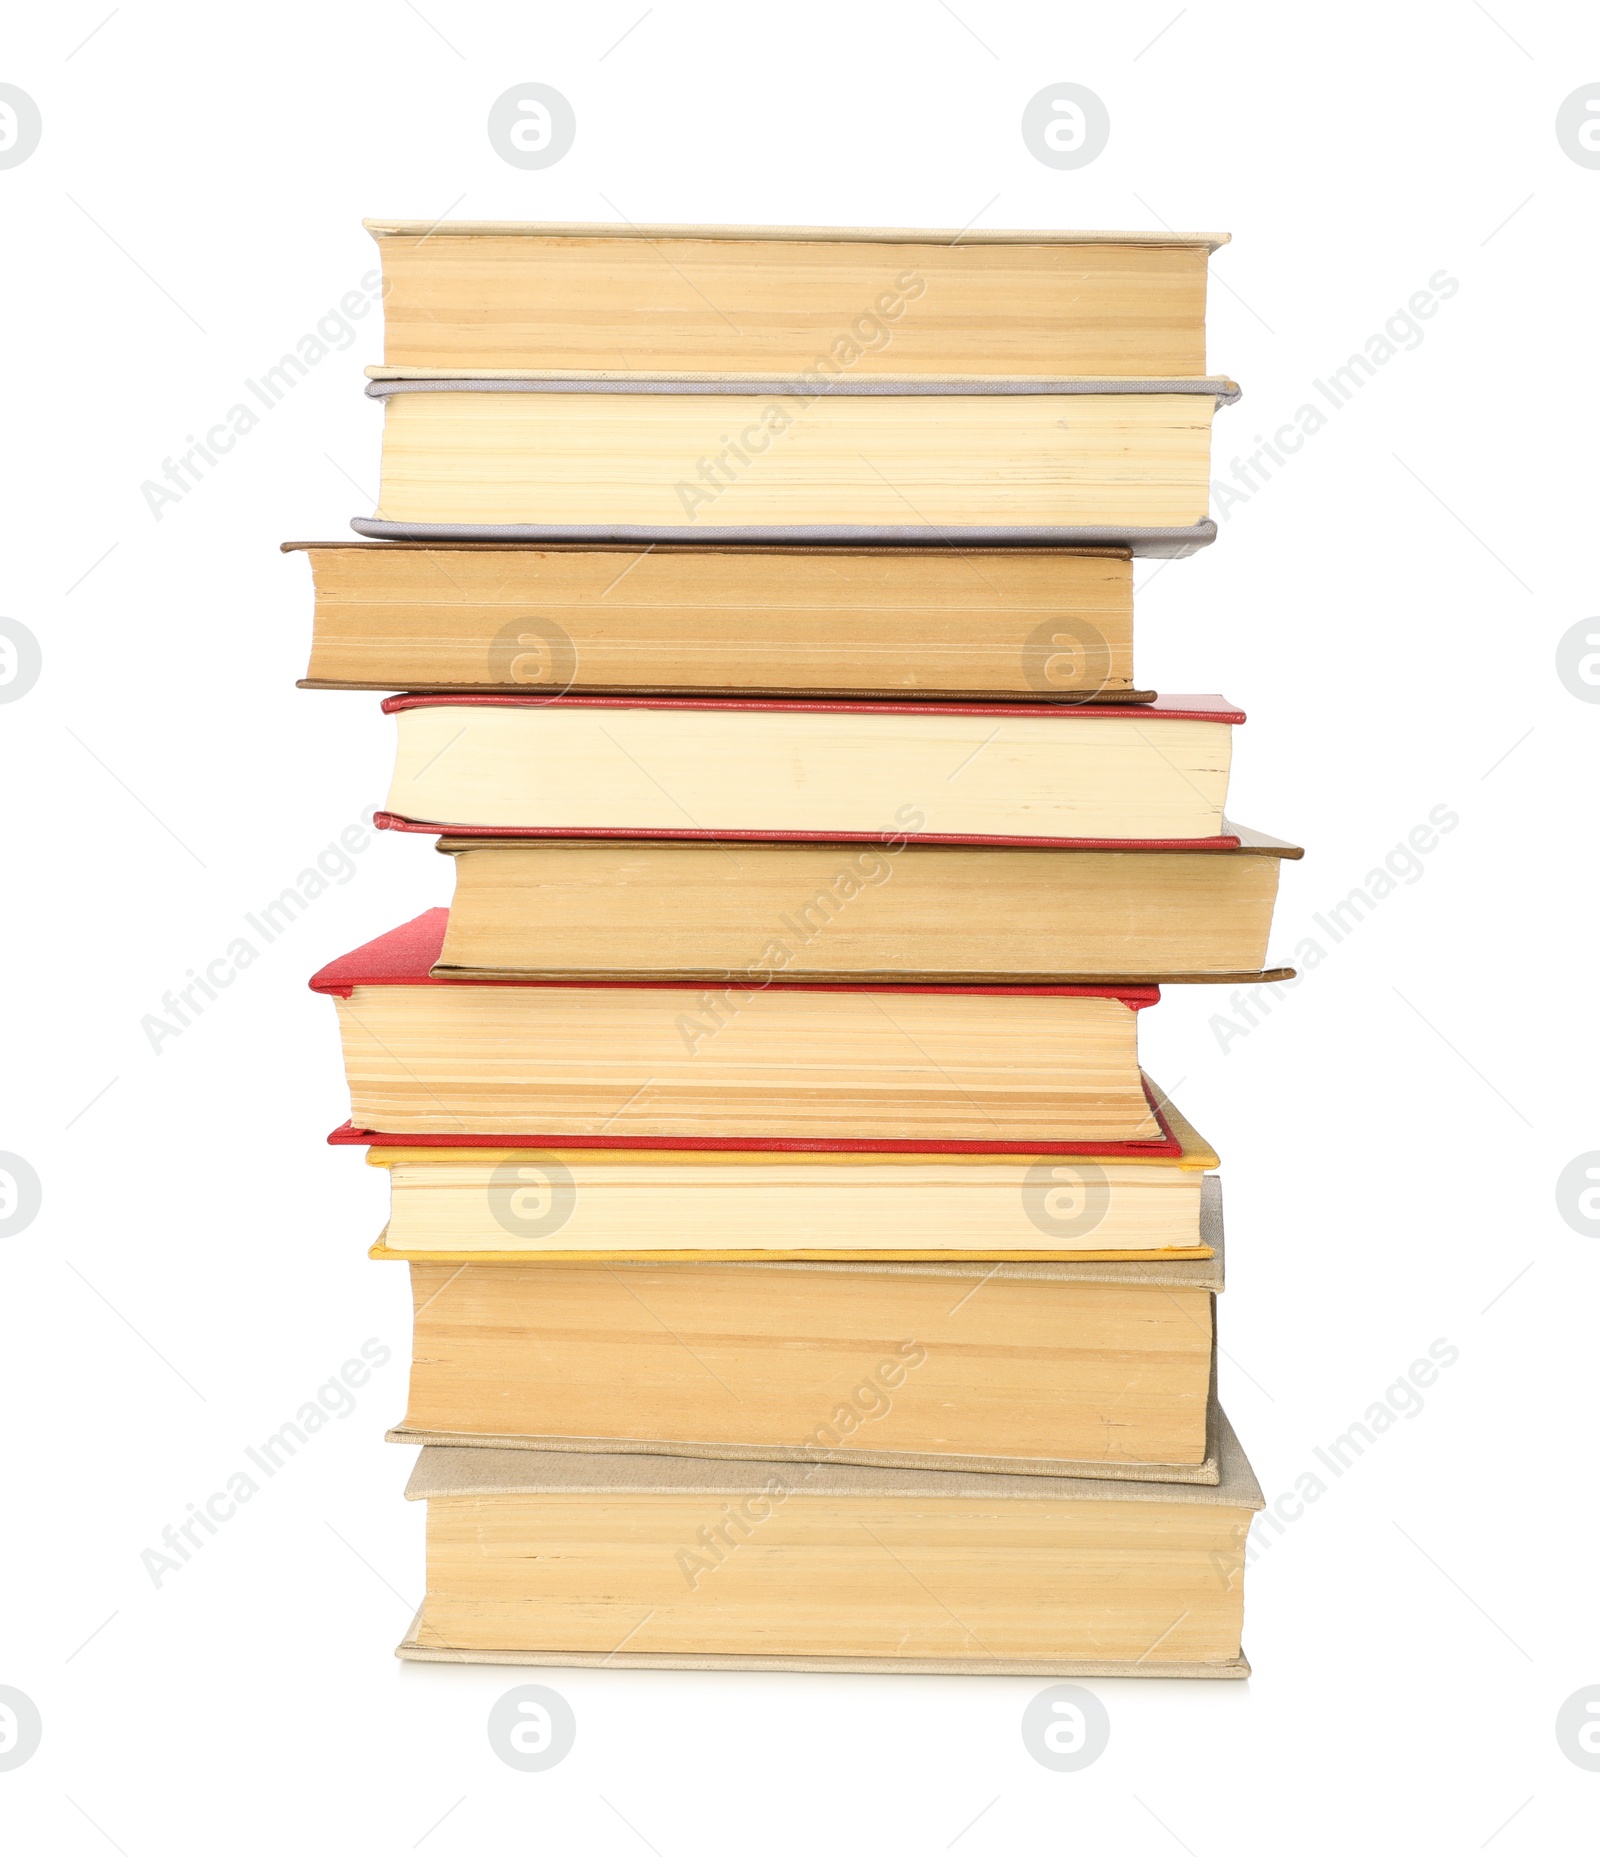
x=554 y=767
x=701 y=462
x=527 y=1205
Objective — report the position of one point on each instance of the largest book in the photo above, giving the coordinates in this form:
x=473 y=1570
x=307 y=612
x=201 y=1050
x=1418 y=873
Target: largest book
x=680 y=1563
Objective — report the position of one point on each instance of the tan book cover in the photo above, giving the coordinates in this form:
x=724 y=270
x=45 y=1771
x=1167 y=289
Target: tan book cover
x=1048 y=1369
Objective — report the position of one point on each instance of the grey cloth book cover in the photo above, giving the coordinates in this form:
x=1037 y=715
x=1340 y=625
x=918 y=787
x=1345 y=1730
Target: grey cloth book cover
x=1169 y=543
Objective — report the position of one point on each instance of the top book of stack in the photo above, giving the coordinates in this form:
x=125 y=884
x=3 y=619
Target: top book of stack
x=750 y=385
x=496 y=298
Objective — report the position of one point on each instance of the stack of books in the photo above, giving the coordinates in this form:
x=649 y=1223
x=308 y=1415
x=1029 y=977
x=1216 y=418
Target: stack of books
x=806 y=1273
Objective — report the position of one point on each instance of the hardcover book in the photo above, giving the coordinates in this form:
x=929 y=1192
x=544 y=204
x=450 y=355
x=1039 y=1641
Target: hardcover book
x=685 y=619
x=747 y=768
x=497 y=297
x=1047 y=1369
x=672 y=458
x=766 y=1062
x=554 y=1557
x=904 y=910
x=453 y=1203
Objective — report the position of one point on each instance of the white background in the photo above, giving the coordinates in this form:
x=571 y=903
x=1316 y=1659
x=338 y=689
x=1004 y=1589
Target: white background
x=1387 y=611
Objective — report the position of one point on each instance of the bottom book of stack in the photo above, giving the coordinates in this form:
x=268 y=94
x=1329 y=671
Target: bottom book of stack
x=651 y=1561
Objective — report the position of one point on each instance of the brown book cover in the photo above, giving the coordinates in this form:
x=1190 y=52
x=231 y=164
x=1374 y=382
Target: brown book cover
x=1025 y=625
x=554 y=908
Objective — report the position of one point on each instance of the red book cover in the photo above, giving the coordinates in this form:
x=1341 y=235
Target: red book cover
x=405 y=957
x=347 y=1135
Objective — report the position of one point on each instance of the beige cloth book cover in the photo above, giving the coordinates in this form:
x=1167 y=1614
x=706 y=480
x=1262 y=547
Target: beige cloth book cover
x=446 y=1473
